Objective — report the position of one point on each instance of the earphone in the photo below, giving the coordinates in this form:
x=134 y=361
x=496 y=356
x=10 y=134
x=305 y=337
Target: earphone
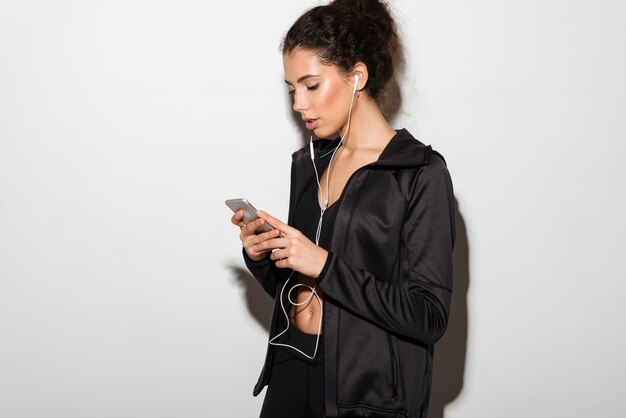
x=318 y=232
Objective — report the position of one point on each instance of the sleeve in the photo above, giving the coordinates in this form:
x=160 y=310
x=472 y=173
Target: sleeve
x=419 y=309
x=266 y=273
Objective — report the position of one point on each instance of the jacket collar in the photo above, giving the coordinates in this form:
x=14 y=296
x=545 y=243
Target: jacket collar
x=402 y=151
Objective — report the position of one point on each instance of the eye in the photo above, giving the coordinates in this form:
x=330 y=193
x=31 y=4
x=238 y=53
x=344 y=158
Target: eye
x=291 y=92
x=313 y=87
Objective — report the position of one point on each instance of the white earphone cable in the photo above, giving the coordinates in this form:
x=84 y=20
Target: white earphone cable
x=295 y=303
x=318 y=232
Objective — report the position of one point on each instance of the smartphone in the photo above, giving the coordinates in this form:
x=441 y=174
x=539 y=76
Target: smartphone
x=249 y=213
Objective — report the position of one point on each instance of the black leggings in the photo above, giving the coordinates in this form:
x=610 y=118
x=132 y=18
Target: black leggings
x=296 y=386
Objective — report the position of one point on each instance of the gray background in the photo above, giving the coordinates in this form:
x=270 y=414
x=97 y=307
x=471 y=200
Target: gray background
x=125 y=124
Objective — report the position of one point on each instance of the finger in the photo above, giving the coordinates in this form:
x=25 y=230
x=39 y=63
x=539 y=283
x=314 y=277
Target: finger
x=261 y=252
x=248 y=230
x=252 y=226
x=283 y=263
x=279 y=254
x=270 y=244
x=265 y=236
x=275 y=222
x=237 y=218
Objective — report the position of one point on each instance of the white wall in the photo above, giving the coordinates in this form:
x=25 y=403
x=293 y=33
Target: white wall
x=125 y=124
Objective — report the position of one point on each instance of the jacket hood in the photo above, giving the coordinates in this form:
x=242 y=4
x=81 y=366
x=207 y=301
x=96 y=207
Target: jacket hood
x=403 y=150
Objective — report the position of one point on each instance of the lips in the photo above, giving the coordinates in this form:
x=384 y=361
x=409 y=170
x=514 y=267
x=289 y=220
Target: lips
x=311 y=124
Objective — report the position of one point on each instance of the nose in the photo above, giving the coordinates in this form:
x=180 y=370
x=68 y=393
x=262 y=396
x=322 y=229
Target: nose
x=300 y=104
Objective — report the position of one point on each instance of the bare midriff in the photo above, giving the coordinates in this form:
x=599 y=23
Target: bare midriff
x=306 y=316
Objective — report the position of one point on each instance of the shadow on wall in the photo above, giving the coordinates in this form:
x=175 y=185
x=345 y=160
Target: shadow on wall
x=450 y=351
x=258 y=302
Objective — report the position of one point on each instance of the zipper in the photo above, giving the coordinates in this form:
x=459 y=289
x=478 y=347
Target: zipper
x=394 y=369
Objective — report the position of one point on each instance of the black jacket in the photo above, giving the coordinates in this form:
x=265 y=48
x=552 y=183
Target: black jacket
x=387 y=280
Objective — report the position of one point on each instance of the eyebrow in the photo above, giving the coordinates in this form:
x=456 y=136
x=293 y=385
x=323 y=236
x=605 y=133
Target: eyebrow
x=304 y=77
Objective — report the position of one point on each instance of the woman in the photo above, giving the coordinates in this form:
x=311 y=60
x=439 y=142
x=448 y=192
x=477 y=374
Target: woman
x=362 y=271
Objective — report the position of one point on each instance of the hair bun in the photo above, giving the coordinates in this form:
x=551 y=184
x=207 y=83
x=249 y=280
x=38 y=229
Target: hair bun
x=373 y=10
x=362 y=8
x=374 y=15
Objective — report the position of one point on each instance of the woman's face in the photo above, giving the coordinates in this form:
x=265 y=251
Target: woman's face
x=321 y=94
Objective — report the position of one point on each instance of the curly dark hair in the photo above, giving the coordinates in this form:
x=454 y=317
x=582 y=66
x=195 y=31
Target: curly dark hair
x=345 y=32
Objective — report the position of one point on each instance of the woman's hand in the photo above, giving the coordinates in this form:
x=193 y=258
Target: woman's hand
x=248 y=237
x=293 y=250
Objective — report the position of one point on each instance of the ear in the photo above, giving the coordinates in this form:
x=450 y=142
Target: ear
x=360 y=69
